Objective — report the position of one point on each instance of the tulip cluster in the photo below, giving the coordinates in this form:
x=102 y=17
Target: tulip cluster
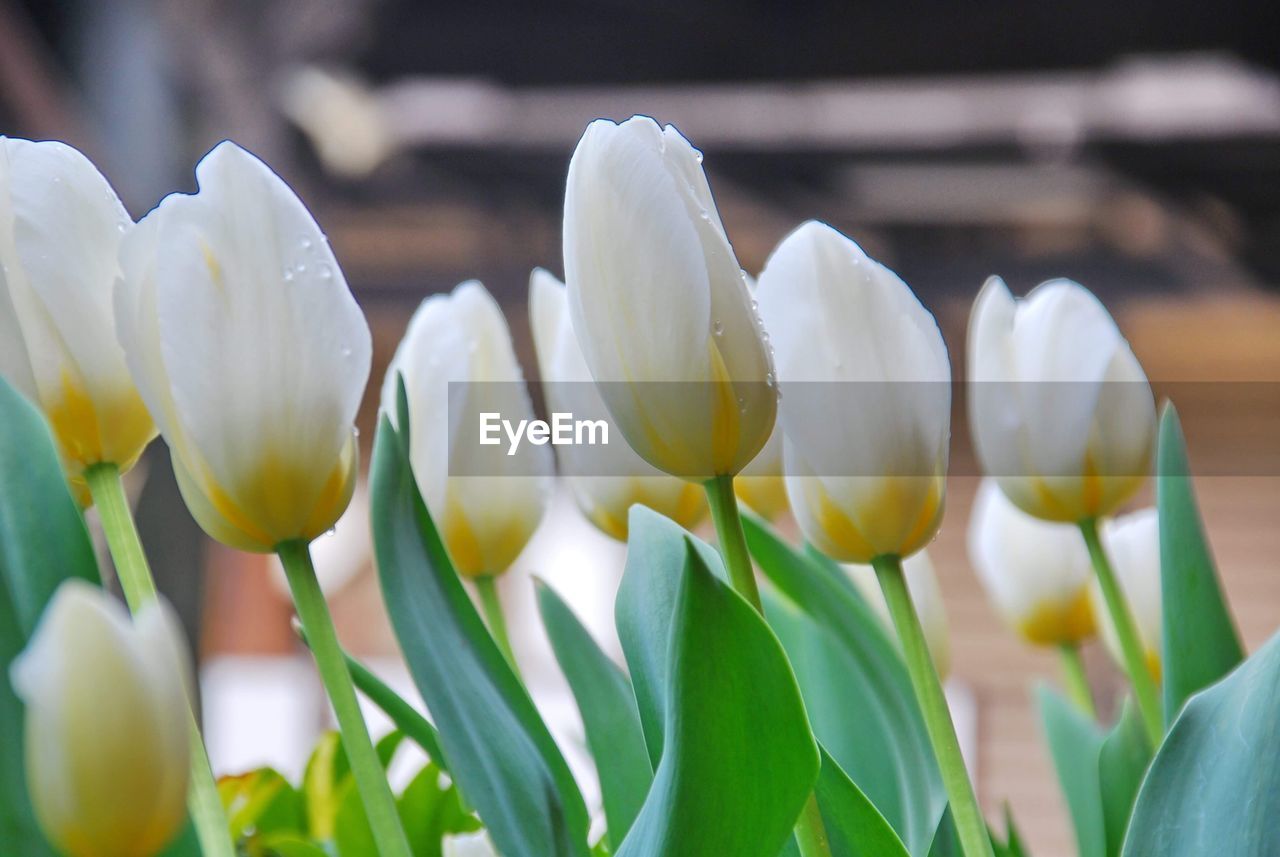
x=223 y=321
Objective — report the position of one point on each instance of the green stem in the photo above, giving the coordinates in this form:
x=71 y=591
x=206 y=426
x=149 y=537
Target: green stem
x=970 y=826
x=1144 y=685
x=370 y=779
x=733 y=543
x=811 y=833
x=134 y=574
x=491 y=606
x=1077 y=681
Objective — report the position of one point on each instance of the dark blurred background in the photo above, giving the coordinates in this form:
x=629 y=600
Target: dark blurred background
x=1132 y=146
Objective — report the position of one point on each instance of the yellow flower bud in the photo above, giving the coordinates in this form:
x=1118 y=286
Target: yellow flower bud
x=106 y=724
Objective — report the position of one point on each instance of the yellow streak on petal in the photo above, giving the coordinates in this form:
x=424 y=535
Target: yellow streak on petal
x=476 y=553
x=726 y=419
x=75 y=423
x=766 y=495
x=1053 y=623
x=614 y=522
x=838 y=528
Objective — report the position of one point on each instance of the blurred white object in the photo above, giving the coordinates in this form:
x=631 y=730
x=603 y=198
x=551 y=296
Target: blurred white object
x=341 y=553
x=343 y=119
x=261 y=711
x=926 y=595
x=1132 y=543
x=469 y=845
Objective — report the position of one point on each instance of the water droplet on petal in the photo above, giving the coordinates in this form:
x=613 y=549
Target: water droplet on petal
x=769 y=380
x=326 y=273
x=697 y=156
x=302 y=269
x=755 y=307
x=306 y=243
x=718 y=328
x=288 y=275
x=346 y=351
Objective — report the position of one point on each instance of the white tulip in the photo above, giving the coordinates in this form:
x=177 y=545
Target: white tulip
x=1061 y=412
x=926 y=595
x=867 y=397
x=457 y=362
x=1036 y=573
x=761 y=484
x=106 y=724
x=660 y=304
x=607 y=480
x=1132 y=543
x=60 y=231
x=250 y=351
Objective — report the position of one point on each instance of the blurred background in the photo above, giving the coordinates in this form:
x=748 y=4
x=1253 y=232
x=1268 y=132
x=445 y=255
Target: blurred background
x=1132 y=146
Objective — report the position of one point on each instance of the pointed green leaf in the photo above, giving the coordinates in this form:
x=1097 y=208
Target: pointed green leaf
x=855 y=828
x=1200 y=642
x=1075 y=744
x=730 y=688
x=18 y=826
x=856 y=687
x=499 y=750
x=1122 y=762
x=609 y=714
x=1215 y=783
x=43 y=539
x=644 y=607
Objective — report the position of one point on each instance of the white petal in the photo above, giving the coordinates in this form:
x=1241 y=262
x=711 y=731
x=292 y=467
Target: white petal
x=264 y=349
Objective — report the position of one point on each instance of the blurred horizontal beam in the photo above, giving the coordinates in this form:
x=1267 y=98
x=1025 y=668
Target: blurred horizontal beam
x=1192 y=97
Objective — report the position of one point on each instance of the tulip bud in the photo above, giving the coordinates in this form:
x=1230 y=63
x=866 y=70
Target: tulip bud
x=607 y=480
x=867 y=397
x=1060 y=410
x=761 y=484
x=926 y=595
x=660 y=304
x=1132 y=543
x=106 y=724
x=249 y=350
x=457 y=362
x=60 y=231
x=1036 y=573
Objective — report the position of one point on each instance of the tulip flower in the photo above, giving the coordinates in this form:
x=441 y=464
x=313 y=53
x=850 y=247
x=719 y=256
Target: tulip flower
x=250 y=351
x=1061 y=412
x=761 y=485
x=866 y=417
x=60 y=230
x=1036 y=573
x=252 y=356
x=922 y=582
x=866 y=410
x=1133 y=543
x=457 y=362
x=1063 y=418
x=106 y=724
x=606 y=480
x=660 y=305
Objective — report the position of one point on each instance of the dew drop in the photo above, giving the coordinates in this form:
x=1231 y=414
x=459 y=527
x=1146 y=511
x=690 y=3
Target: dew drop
x=697 y=156
x=326 y=273
x=755 y=307
x=718 y=328
x=346 y=351
x=288 y=275
x=769 y=380
x=302 y=269
x=306 y=243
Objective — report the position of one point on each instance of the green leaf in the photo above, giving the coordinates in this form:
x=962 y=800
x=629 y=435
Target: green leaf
x=262 y=801
x=430 y=811
x=1215 y=782
x=645 y=604
x=1122 y=762
x=856 y=687
x=609 y=715
x=406 y=718
x=1012 y=845
x=1200 y=643
x=730 y=688
x=499 y=750
x=1075 y=744
x=291 y=845
x=43 y=539
x=322 y=785
x=855 y=828
x=946 y=839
